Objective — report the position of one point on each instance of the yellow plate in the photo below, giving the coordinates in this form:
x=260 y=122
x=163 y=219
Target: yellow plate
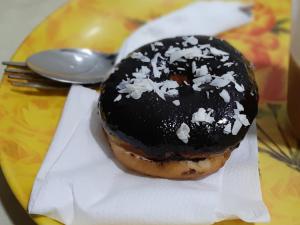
x=28 y=118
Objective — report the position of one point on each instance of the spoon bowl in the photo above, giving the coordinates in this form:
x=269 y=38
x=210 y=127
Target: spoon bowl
x=72 y=65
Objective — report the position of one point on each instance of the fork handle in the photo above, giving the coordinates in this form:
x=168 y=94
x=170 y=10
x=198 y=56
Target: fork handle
x=12 y=63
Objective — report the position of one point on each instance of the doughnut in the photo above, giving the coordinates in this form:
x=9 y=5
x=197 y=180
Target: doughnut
x=177 y=107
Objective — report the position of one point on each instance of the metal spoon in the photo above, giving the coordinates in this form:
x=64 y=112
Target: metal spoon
x=77 y=66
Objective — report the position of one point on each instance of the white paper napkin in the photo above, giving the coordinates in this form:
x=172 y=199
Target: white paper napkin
x=80 y=183
x=204 y=17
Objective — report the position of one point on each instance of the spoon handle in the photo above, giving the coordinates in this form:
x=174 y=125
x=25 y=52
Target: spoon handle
x=12 y=63
x=112 y=57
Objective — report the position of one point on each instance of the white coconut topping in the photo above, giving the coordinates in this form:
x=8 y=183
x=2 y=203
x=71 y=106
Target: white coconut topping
x=219 y=82
x=154 y=61
x=225 y=95
x=225 y=79
x=158 y=43
x=186 y=83
x=135 y=87
x=197 y=82
x=207 y=94
x=180 y=68
x=153 y=45
x=194 y=67
x=217 y=52
x=153 y=48
x=224 y=58
x=202 y=71
x=239 y=88
x=239 y=106
x=227 y=128
x=228 y=64
x=171 y=51
x=203 y=115
x=140 y=56
x=196 y=87
x=243 y=119
x=183 y=133
x=240 y=119
x=201 y=51
x=202 y=80
x=142 y=73
x=118 y=98
x=236 y=127
x=187 y=53
x=176 y=102
x=189 y=40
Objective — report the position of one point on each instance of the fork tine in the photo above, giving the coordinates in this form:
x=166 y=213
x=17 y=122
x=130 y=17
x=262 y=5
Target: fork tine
x=15 y=70
x=38 y=85
x=20 y=76
x=11 y=63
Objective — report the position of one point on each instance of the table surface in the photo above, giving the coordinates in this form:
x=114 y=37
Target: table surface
x=265 y=42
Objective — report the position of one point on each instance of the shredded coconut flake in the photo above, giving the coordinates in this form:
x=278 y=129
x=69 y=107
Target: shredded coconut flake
x=183 y=133
x=239 y=88
x=243 y=119
x=176 y=102
x=186 y=83
x=236 y=127
x=239 y=106
x=207 y=94
x=228 y=64
x=180 y=68
x=240 y=119
x=194 y=67
x=227 y=128
x=225 y=79
x=203 y=115
x=217 y=52
x=153 y=48
x=158 y=43
x=190 y=40
x=224 y=58
x=142 y=73
x=135 y=87
x=219 y=82
x=153 y=45
x=118 y=98
x=225 y=95
x=154 y=61
x=197 y=82
x=140 y=56
x=202 y=71
x=187 y=53
x=196 y=87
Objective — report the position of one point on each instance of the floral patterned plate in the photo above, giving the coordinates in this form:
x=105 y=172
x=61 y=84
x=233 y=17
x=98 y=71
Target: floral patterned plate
x=28 y=117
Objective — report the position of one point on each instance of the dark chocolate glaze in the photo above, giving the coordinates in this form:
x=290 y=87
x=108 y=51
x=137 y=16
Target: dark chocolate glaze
x=150 y=123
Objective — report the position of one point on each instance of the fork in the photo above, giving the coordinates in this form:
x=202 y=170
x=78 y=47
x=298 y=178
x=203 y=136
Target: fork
x=19 y=75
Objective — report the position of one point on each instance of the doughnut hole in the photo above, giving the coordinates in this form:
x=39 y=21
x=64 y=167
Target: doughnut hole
x=180 y=78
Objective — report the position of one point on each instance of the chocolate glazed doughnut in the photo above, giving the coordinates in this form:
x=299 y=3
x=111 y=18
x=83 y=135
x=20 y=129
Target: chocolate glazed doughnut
x=175 y=108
